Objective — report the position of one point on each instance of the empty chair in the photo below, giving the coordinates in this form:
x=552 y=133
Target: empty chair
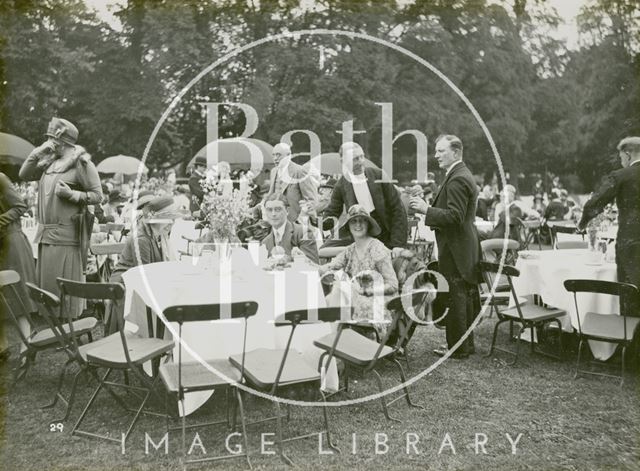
x=492 y=250
x=619 y=329
x=127 y=355
x=43 y=338
x=52 y=309
x=358 y=351
x=273 y=370
x=529 y=316
x=183 y=377
x=562 y=229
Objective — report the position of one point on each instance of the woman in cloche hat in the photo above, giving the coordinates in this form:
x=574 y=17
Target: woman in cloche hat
x=366 y=254
x=151 y=237
x=67 y=182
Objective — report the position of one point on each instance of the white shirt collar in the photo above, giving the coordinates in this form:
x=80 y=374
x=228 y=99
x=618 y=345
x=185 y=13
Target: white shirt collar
x=634 y=162
x=452 y=166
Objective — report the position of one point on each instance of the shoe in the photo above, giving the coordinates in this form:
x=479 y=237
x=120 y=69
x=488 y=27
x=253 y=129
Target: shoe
x=456 y=356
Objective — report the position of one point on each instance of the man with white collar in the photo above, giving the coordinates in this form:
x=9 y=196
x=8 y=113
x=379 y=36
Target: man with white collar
x=285 y=233
x=623 y=186
x=361 y=185
x=452 y=217
x=291 y=180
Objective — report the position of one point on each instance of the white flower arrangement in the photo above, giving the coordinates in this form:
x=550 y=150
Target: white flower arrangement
x=223 y=207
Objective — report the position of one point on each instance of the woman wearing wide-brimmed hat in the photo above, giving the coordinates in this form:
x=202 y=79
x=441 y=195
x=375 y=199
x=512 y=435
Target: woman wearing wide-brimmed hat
x=67 y=182
x=361 y=261
x=151 y=236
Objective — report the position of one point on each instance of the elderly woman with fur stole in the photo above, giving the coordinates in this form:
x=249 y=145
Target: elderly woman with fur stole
x=67 y=182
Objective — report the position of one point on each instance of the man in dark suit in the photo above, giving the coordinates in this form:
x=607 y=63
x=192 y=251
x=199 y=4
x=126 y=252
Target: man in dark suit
x=452 y=217
x=358 y=185
x=623 y=186
x=197 y=193
x=285 y=233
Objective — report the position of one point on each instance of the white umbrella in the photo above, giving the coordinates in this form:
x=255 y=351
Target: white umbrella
x=121 y=164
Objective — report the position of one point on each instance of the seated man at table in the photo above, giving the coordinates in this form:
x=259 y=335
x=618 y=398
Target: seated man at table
x=152 y=240
x=285 y=233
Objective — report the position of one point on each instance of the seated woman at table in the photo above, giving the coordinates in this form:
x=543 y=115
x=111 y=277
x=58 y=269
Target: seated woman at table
x=366 y=253
x=152 y=239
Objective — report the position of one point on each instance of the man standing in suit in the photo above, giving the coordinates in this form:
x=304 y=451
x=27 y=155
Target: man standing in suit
x=623 y=186
x=360 y=185
x=452 y=217
x=285 y=233
x=291 y=180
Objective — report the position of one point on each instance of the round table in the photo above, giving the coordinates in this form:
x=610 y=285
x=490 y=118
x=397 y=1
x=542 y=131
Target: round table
x=152 y=288
x=544 y=272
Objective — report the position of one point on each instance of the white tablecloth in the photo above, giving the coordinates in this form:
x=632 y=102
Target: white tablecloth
x=545 y=273
x=160 y=285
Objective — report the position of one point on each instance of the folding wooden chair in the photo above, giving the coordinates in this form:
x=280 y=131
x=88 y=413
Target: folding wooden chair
x=619 y=329
x=181 y=378
x=129 y=356
x=408 y=305
x=358 y=351
x=491 y=252
x=116 y=230
x=529 y=316
x=41 y=338
x=53 y=310
x=109 y=249
x=561 y=229
x=273 y=370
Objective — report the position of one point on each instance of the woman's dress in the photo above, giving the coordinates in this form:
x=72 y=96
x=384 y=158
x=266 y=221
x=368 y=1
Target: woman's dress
x=376 y=258
x=59 y=252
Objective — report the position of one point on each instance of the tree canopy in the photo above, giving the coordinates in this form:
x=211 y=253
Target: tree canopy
x=548 y=108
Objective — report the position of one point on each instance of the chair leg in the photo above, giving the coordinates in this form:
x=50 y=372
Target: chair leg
x=279 y=443
x=403 y=378
x=325 y=414
x=515 y=358
x=91 y=401
x=243 y=424
x=58 y=394
x=577 y=372
x=624 y=354
x=72 y=396
x=385 y=409
x=493 y=339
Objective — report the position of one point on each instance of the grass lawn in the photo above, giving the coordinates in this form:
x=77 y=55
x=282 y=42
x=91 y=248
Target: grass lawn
x=588 y=423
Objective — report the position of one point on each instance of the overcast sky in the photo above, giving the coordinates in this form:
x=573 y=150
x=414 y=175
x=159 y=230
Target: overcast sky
x=567 y=9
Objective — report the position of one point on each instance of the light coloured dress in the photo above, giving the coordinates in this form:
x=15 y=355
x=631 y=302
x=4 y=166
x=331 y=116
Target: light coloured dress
x=376 y=258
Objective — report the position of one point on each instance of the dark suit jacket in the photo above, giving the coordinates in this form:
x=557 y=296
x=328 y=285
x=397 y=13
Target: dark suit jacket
x=452 y=217
x=389 y=211
x=197 y=194
x=293 y=236
x=623 y=185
